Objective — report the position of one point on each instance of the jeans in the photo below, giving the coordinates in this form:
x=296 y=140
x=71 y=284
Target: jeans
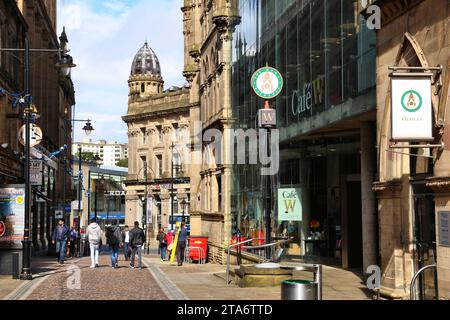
x=133 y=254
x=94 y=253
x=163 y=251
x=61 y=250
x=126 y=251
x=181 y=246
x=114 y=254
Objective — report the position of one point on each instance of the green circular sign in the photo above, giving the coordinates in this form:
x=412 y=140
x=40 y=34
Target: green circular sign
x=267 y=82
x=412 y=101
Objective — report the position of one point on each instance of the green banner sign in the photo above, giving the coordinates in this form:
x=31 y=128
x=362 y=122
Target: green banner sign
x=289 y=204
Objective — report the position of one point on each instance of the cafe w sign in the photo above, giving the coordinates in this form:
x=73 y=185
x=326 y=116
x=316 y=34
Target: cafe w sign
x=411 y=109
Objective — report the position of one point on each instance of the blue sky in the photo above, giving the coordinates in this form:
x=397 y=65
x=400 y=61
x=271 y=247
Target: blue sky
x=104 y=36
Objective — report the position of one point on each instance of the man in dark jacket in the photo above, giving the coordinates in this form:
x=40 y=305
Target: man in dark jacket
x=137 y=239
x=114 y=239
x=181 y=245
x=60 y=237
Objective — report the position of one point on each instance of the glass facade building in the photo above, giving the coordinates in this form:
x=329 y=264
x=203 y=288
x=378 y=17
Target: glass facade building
x=327 y=57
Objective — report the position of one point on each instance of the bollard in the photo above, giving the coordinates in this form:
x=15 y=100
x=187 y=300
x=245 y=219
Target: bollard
x=15 y=265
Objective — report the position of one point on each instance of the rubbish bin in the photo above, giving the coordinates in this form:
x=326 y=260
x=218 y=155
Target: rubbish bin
x=299 y=290
x=200 y=251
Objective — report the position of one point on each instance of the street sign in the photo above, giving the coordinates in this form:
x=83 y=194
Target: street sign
x=58 y=214
x=267 y=118
x=411 y=109
x=267 y=82
x=36 y=172
x=35 y=135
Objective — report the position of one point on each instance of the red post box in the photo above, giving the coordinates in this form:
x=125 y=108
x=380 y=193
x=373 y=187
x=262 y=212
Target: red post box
x=198 y=248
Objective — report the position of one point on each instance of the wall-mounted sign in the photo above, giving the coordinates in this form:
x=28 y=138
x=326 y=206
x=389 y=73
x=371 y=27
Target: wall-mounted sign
x=36 y=167
x=303 y=100
x=12 y=215
x=444 y=230
x=289 y=204
x=267 y=118
x=411 y=109
x=267 y=82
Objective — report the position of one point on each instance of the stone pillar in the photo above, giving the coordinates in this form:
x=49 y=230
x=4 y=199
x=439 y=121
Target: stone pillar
x=165 y=210
x=369 y=213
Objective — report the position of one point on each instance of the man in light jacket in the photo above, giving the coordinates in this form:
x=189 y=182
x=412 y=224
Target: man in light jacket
x=94 y=236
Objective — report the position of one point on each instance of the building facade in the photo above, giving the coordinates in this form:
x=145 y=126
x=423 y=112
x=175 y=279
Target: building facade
x=53 y=94
x=158 y=137
x=413 y=185
x=110 y=152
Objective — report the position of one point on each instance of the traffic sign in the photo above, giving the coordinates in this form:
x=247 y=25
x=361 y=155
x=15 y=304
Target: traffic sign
x=35 y=135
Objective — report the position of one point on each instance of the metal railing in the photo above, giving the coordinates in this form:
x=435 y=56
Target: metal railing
x=413 y=281
x=251 y=248
x=201 y=254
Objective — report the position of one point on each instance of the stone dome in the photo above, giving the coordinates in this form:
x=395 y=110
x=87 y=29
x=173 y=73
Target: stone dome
x=146 y=62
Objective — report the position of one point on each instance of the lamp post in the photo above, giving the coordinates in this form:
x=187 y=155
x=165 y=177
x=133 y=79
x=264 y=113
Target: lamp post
x=88 y=130
x=65 y=63
x=183 y=204
x=144 y=203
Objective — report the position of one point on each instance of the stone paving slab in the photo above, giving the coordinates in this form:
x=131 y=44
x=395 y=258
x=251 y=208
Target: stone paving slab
x=200 y=282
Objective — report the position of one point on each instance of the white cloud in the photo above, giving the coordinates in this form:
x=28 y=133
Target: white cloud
x=104 y=36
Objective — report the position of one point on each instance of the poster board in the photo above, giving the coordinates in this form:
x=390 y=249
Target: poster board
x=12 y=214
x=289 y=204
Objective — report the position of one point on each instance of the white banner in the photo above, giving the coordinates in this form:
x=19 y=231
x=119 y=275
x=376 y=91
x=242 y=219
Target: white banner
x=149 y=210
x=411 y=109
x=36 y=167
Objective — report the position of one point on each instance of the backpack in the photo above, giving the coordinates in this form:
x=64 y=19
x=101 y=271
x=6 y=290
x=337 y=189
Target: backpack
x=117 y=235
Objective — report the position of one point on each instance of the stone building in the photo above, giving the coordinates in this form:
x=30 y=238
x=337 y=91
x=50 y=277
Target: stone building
x=159 y=158
x=413 y=186
x=208 y=29
x=53 y=94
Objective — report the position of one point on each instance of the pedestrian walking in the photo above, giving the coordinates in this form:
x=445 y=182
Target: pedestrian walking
x=126 y=243
x=114 y=239
x=137 y=239
x=169 y=243
x=161 y=237
x=60 y=237
x=94 y=237
x=73 y=238
x=181 y=244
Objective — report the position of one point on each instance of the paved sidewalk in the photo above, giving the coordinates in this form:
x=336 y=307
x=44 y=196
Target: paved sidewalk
x=206 y=282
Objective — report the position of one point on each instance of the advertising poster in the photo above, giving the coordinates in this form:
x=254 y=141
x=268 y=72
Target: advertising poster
x=12 y=216
x=289 y=204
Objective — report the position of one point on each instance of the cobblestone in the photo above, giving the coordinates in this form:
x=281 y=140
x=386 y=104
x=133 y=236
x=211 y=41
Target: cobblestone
x=103 y=283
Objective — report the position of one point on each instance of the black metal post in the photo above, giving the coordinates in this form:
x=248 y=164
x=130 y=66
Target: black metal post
x=144 y=223
x=95 y=202
x=171 y=191
x=268 y=202
x=80 y=174
x=26 y=243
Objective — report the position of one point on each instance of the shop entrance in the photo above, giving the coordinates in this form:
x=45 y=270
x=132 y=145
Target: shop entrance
x=354 y=225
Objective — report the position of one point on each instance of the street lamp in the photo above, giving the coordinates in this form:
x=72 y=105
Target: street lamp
x=183 y=204
x=144 y=203
x=65 y=62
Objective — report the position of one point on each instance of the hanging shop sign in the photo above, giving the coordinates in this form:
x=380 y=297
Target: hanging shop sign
x=149 y=212
x=289 y=204
x=411 y=109
x=35 y=135
x=36 y=168
x=12 y=216
x=267 y=82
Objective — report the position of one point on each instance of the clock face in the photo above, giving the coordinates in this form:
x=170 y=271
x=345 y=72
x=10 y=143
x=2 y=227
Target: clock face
x=267 y=82
x=35 y=135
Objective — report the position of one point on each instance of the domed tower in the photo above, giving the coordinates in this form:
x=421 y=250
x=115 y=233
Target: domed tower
x=145 y=79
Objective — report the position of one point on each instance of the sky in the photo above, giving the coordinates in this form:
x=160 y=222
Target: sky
x=104 y=36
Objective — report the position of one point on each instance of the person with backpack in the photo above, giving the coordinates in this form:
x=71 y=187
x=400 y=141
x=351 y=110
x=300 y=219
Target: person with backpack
x=181 y=244
x=114 y=240
x=161 y=237
x=94 y=236
x=137 y=239
x=60 y=237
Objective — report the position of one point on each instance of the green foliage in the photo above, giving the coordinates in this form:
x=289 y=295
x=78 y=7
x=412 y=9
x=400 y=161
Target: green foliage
x=122 y=163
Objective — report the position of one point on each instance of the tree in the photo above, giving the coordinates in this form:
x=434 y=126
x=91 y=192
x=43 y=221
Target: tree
x=86 y=156
x=122 y=163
